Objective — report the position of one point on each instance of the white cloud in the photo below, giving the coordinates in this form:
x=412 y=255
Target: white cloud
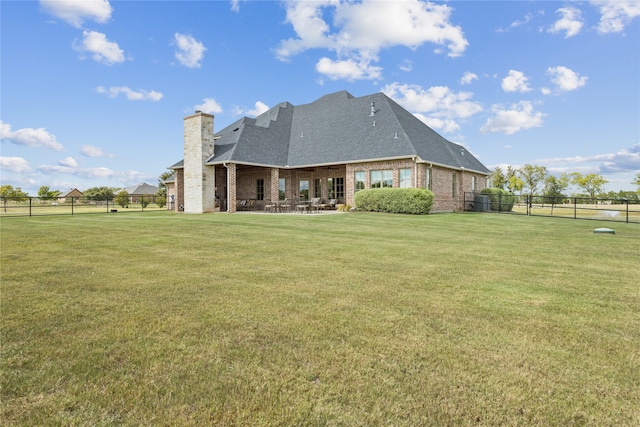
x=99 y=172
x=259 y=108
x=68 y=162
x=566 y=79
x=518 y=117
x=627 y=159
x=359 y=30
x=350 y=69
x=406 y=65
x=14 y=164
x=209 y=106
x=515 y=24
x=91 y=151
x=235 y=5
x=516 y=81
x=101 y=49
x=616 y=15
x=190 y=51
x=29 y=137
x=468 y=77
x=74 y=12
x=439 y=107
x=570 y=22
x=131 y=95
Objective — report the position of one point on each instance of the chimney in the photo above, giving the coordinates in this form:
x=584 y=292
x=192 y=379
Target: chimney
x=199 y=180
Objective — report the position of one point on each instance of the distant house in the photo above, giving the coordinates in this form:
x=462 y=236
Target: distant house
x=74 y=193
x=330 y=148
x=136 y=192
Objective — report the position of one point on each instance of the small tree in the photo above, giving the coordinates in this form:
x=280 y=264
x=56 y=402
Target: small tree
x=98 y=194
x=45 y=193
x=592 y=184
x=122 y=199
x=554 y=188
x=636 y=181
x=532 y=176
x=498 y=179
x=8 y=193
x=514 y=184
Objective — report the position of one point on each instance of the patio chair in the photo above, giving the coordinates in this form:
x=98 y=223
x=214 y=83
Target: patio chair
x=269 y=206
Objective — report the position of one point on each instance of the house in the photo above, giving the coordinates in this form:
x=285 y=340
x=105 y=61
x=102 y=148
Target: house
x=136 y=192
x=74 y=193
x=330 y=148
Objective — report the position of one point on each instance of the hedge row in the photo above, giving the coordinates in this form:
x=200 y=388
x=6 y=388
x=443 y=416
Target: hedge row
x=501 y=200
x=395 y=200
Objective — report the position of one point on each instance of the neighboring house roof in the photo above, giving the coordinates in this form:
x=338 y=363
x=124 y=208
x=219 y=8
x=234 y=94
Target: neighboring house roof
x=71 y=192
x=337 y=128
x=141 y=189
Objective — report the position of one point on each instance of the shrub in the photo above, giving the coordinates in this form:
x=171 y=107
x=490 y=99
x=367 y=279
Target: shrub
x=501 y=200
x=344 y=208
x=161 y=201
x=395 y=200
x=122 y=199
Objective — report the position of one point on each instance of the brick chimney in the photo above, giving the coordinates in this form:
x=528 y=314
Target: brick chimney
x=199 y=180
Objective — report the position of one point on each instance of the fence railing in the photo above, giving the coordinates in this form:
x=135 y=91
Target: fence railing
x=601 y=209
x=40 y=206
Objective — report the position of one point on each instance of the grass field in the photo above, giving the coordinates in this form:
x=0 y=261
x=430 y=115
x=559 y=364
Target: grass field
x=340 y=320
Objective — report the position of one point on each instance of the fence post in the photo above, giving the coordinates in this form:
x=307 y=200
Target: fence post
x=30 y=198
x=575 y=208
x=72 y=200
x=627 y=200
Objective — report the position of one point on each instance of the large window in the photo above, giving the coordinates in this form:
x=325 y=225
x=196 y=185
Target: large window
x=335 y=186
x=405 y=178
x=473 y=183
x=304 y=190
x=260 y=189
x=428 y=178
x=317 y=187
x=381 y=179
x=281 y=188
x=359 y=178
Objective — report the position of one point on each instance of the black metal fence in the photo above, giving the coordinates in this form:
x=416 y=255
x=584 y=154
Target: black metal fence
x=600 y=209
x=41 y=206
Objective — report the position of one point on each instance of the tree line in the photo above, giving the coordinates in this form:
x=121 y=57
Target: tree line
x=94 y=194
x=534 y=180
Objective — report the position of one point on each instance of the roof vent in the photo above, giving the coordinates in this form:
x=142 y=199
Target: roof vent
x=396 y=136
x=373 y=109
x=198 y=111
x=462 y=152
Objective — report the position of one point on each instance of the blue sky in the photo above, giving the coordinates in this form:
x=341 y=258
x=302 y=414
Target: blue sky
x=93 y=92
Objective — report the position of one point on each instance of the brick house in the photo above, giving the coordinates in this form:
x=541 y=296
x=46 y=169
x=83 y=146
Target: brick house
x=329 y=148
x=138 y=191
x=74 y=193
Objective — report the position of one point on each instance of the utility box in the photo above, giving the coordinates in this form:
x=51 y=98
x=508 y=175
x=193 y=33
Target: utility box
x=481 y=203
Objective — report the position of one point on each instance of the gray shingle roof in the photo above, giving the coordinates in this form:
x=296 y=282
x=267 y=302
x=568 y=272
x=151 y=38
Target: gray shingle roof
x=141 y=189
x=337 y=128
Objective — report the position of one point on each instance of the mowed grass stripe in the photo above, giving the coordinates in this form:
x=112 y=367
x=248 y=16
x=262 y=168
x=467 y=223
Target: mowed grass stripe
x=352 y=319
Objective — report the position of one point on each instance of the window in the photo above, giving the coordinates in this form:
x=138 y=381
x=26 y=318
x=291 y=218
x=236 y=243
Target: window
x=405 y=178
x=359 y=178
x=453 y=184
x=260 y=189
x=304 y=190
x=428 y=177
x=338 y=188
x=382 y=178
x=473 y=183
x=317 y=188
x=281 y=187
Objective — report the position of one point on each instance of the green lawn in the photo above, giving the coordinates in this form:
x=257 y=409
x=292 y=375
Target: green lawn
x=341 y=320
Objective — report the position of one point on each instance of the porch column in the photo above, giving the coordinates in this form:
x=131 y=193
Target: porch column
x=231 y=187
x=275 y=182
